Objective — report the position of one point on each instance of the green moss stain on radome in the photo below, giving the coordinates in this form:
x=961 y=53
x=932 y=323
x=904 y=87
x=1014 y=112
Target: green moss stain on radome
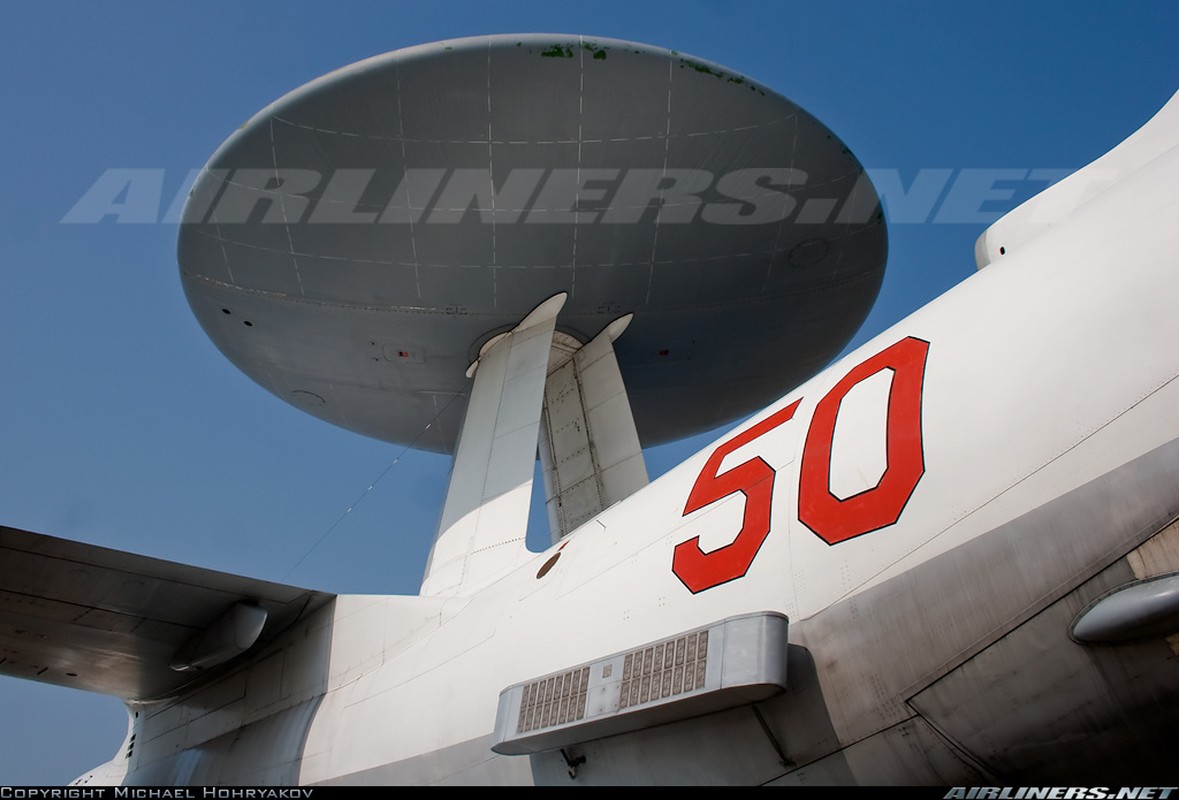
x=696 y=65
x=736 y=80
x=558 y=51
x=599 y=52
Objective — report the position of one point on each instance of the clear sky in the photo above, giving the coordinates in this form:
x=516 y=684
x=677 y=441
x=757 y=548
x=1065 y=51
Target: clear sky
x=120 y=423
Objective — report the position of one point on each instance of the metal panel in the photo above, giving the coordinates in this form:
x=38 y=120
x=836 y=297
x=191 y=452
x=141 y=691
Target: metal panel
x=729 y=663
x=589 y=449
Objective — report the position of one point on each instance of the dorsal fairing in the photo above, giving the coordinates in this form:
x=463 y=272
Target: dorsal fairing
x=1059 y=201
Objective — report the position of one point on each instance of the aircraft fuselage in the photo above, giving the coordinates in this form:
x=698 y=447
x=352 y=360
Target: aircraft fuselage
x=932 y=514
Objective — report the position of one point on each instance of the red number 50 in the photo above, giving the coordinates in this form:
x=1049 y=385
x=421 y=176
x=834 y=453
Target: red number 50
x=832 y=519
x=835 y=520
x=754 y=479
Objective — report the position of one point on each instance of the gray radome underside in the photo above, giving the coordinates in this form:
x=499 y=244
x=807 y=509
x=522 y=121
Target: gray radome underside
x=354 y=243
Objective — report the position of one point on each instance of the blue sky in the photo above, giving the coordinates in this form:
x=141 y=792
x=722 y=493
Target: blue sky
x=120 y=423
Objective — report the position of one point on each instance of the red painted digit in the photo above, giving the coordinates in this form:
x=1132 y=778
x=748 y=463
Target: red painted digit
x=835 y=520
x=753 y=478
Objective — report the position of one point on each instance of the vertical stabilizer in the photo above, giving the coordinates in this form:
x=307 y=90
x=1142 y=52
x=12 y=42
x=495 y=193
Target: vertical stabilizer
x=485 y=518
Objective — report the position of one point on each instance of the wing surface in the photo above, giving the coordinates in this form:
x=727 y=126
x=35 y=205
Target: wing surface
x=107 y=621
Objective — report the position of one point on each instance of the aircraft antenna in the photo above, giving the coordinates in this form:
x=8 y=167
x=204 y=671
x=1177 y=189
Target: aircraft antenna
x=372 y=484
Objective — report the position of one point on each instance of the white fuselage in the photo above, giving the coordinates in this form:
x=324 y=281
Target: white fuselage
x=934 y=648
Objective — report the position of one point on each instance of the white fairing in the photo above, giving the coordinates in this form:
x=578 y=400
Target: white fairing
x=1060 y=201
x=1021 y=472
x=481 y=533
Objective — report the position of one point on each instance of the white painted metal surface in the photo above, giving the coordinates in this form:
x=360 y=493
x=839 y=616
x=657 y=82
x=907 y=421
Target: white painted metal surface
x=590 y=453
x=481 y=533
